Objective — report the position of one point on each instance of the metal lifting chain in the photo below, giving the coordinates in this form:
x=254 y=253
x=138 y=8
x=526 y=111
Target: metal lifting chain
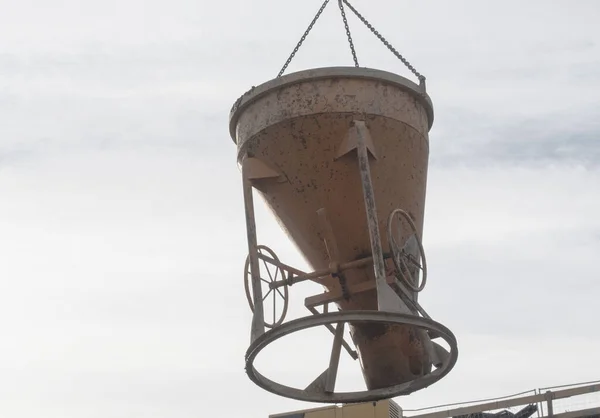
x=348 y=34
x=412 y=69
x=341 y=3
x=303 y=38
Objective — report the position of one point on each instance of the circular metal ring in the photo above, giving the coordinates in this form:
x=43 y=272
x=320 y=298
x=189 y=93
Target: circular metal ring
x=398 y=256
x=271 y=278
x=350 y=316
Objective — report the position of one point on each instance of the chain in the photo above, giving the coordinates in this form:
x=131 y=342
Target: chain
x=303 y=38
x=341 y=4
x=412 y=69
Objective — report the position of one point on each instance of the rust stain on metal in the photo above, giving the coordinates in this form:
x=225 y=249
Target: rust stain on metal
x=298 y=124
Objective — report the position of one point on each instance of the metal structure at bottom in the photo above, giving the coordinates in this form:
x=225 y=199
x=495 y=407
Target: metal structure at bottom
x=322 y=389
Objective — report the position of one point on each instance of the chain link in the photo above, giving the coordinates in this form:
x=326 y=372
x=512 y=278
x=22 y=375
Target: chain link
x=412 y=69
x=348 y=34
x=303 y=38
x=341 y=3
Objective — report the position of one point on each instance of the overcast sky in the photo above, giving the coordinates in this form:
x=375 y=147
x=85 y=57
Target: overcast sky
x=122 y=237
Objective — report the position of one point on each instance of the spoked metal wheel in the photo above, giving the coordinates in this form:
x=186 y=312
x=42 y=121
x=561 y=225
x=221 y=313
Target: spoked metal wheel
x=409 y=260
x=275 y=300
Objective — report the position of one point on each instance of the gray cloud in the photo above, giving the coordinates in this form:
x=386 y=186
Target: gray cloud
x=476 y=139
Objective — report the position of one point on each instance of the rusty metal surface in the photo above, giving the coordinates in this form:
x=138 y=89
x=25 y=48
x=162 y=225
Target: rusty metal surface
x=370 y=101
x=383 y=303
x=296 y=125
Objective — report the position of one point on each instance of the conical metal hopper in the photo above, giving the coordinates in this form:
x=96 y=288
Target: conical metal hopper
x=297 y=131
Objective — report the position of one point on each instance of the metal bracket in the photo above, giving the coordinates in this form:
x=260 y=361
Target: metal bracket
x=351 y=142
x=336 y=296
x=256 y=169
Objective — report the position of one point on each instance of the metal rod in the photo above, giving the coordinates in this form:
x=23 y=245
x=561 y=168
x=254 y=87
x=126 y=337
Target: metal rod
x=509 y=403
x=334 y=360
x=258 y=319
x=369 y=196
x=331 y=329
x=549 y=403
x=405 y=295
x=282 y=266
x=363 y=262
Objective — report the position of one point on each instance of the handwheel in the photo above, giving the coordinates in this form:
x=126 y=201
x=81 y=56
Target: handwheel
x=407 y=265
x=270 y=273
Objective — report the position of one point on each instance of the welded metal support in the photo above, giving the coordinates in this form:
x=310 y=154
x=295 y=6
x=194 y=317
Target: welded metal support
x=549 y=398
x=386 y=298
x=258 y=318
x=332 y=329
x=334 y=360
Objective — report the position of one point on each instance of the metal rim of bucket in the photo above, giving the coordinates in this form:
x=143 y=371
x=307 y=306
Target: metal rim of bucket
x=325 y=73
x=391 y=318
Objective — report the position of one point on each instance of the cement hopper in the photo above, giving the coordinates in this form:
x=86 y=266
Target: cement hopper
x=340 y=156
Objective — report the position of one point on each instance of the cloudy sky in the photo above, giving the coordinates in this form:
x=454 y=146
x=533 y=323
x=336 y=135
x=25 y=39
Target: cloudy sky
x=122 y=236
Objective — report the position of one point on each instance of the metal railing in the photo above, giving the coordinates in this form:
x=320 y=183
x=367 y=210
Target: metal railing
x=567 y=401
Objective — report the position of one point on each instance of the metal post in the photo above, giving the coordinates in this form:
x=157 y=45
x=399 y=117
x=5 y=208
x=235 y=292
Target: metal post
x=540 y=405
x=549 y=404
x=373 y=224
x=258 y=319
x=334 y=360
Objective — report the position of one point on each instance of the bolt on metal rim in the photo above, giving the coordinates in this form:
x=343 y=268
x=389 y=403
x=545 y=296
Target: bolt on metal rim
x=350 y=316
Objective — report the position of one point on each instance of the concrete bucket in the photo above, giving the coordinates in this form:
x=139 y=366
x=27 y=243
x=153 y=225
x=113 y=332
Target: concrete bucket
x=299 y=140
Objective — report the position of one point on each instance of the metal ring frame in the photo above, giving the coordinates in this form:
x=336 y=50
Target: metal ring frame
x=342 y=317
